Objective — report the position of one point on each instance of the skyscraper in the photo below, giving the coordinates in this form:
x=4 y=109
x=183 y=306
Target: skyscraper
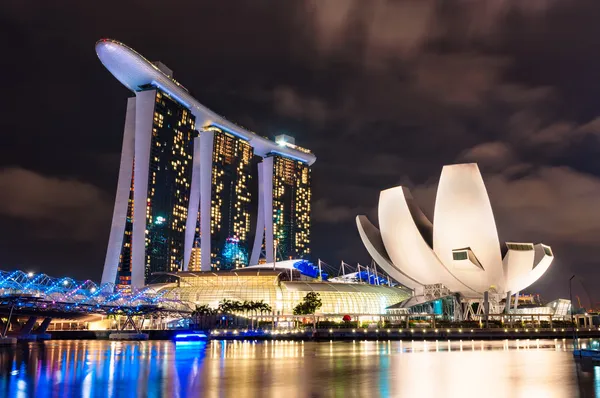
x=231 y=202
x=156 y=174
x=291 y=208
x=185 y=196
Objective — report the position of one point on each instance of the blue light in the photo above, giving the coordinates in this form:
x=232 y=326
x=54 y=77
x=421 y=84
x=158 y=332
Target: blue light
x=191 y=337
x=168 y=91
x=289 y=156
x=230 y=131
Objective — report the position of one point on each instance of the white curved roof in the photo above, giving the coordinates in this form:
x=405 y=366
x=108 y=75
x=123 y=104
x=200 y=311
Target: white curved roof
x=286 y=264
x=133 y=71
x=537 y=264
x=404 y=243
x=463 y=218
x=460 y=250
x=371 y=238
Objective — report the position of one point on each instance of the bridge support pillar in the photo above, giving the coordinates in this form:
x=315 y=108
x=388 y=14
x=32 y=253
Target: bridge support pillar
x=44 y=326
x=28 y=327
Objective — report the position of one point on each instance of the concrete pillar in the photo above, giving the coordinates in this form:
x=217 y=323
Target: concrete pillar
x=516 y=305
x=507 y=305
x=486 y=307
x=206 y=152
x=44 y=325
x=28 y=327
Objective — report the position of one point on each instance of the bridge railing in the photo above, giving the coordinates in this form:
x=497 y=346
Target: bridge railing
x=85 y=295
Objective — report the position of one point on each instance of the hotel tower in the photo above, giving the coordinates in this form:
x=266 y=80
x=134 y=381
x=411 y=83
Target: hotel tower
x=197 y=192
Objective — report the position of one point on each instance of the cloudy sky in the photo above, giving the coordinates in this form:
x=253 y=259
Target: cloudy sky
x=385 y=92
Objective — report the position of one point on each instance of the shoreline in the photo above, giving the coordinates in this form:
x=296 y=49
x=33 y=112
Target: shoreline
x=350 y=334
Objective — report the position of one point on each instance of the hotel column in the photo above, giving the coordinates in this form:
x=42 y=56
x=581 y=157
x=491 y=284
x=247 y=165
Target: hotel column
x=260 y=219
x=144 y=114
x=207 y=139
x=117 y=228
x=193 y=207
x=267 y=192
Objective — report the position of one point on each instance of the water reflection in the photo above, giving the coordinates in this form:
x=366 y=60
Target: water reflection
x=296 y=369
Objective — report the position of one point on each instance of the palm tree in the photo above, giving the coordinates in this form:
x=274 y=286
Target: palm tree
x=257 y=306
x=203 y=309
x=262 y=307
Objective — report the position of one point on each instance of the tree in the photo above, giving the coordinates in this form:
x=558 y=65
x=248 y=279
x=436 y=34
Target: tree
x=203 y=309
x=230 y=307
x=309 y=306
x=201 y=313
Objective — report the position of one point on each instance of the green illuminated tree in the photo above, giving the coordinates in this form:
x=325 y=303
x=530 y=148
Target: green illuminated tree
x=309 y=306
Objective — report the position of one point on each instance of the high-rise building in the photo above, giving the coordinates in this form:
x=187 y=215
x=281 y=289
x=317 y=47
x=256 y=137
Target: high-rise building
x=156 y=174
x=195 y=189
x=231 y=205
x=291 y=208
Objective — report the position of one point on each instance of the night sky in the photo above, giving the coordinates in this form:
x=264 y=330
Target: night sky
x=384 y=92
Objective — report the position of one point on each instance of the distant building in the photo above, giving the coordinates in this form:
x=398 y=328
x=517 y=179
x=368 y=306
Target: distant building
x=195 y=190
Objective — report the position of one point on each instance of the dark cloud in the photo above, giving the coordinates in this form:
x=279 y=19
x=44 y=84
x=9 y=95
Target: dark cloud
x=384 y=91
x=54 y=208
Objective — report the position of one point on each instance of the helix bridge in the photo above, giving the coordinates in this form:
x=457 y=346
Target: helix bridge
x=32 y=294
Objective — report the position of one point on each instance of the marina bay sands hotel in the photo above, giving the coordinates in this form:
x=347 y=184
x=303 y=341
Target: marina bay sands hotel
x=195 y=191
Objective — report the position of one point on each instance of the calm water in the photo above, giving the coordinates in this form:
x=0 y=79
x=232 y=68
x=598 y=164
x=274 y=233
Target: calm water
x=527 y=368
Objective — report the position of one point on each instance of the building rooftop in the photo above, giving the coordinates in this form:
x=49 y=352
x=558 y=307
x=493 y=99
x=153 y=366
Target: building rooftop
x=135 y=71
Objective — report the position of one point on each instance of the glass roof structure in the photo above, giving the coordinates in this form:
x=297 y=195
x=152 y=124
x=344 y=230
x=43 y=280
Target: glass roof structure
x=282 y=294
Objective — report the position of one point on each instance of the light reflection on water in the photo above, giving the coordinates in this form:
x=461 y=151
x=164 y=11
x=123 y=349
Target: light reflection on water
x=525 y=368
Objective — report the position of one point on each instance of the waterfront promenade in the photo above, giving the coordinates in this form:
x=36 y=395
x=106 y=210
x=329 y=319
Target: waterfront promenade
x=353 y=334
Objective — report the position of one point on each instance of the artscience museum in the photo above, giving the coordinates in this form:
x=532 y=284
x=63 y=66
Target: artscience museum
x=459 y=255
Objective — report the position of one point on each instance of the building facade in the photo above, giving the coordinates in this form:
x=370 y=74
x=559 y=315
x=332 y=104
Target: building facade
x=196 y=191
x=231 y=202
x=291 y=208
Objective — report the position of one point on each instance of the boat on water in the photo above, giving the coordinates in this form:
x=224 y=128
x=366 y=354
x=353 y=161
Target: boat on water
x=191 y=336
x=587 y=350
